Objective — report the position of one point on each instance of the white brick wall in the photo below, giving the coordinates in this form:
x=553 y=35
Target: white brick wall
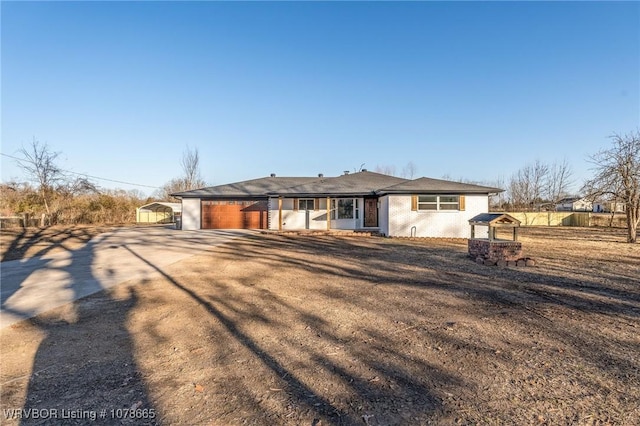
x=296 y=220
x=402 y=222
x=383 y=215
x=395 y=218
x=190 y=214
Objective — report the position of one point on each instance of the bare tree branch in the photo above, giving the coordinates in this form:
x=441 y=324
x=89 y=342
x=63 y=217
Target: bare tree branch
x=191 y=178
x=410 y=170
x=526 y=187
x=40 y=164
x=558 y=181
x=617 y=177
x=191 y=167
x=386 y=170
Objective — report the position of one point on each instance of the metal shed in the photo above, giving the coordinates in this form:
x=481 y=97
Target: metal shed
x=159 y=212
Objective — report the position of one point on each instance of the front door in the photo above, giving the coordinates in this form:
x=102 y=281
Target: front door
x=370 y=212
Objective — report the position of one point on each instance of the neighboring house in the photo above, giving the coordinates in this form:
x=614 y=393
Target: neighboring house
x=575 y=204
x=609 y=207
x=358 y=201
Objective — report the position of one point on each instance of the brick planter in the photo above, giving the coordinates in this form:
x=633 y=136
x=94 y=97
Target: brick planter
x=495 y=251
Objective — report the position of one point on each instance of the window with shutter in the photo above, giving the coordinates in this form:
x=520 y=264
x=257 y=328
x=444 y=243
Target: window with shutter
x=306 y=204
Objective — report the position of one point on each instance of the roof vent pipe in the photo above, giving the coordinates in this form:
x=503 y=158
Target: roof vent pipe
x=346 y=172
x=320 y=175
x=273 y=175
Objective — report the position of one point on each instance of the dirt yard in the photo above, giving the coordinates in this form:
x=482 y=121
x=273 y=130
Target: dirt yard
x=19 y=243
x=296 y=330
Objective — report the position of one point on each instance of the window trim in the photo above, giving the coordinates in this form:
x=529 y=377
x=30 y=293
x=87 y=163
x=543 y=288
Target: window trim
x=335 y=208
x=422 y=206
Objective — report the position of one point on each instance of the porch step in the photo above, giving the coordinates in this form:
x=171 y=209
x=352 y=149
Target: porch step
x=332 y=232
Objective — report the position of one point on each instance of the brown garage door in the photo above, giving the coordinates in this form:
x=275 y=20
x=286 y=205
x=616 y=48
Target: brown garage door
x=234 y=214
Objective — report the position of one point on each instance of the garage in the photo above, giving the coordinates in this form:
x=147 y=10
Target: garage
x=234 y=214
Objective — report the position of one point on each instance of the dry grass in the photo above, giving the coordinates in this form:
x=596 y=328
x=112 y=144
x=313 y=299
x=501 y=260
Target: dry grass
x=324 y=330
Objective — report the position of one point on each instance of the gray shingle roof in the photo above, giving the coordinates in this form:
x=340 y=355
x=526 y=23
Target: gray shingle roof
x=491 y=218
x=437 y=186
x=569 y=200
x=248 y=188
x=353 y=184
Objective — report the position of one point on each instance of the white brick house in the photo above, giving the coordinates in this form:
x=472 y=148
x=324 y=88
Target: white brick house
x=365 y=200
x=575 y=204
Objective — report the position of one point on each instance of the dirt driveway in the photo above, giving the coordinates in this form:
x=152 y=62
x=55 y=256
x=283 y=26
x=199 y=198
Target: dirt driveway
x=314 y=331
x=33 y=285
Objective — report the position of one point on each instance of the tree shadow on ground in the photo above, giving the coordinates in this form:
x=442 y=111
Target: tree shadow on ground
x=378 y=396
x=84 y=370
x=528 y=296
x=85 y=363
x=36 y=243
x=308 y=330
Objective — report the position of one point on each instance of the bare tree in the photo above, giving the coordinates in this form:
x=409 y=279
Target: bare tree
x=410 y=170
x=190 y=179
x=39 y=162
x=78 y=186
x=191 y=167
x=386 y=170
x=527 y=184
x=171 y=187
x=497 y=200
x=558 y=181
x=617 y=175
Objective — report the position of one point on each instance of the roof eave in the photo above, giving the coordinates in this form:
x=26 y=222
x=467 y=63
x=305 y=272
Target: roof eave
x=225 y=196
x=438 y=191
x=321 y=194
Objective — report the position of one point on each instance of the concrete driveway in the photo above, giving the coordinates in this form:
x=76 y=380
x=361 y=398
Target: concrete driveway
x=35 y=285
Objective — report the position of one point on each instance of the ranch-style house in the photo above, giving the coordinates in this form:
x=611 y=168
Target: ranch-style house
x=390 y=205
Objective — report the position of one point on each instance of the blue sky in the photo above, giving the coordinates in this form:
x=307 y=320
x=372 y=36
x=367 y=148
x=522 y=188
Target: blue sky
x=468 y=90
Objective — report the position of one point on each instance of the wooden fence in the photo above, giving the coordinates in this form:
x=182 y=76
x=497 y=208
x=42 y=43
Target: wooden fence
x=19 y=222
x=584 y=219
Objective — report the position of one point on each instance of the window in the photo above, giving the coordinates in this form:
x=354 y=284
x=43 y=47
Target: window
x=344 y=208
x=428 y=202
x=448 y=202
x=306 y=204
x=437 y=202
